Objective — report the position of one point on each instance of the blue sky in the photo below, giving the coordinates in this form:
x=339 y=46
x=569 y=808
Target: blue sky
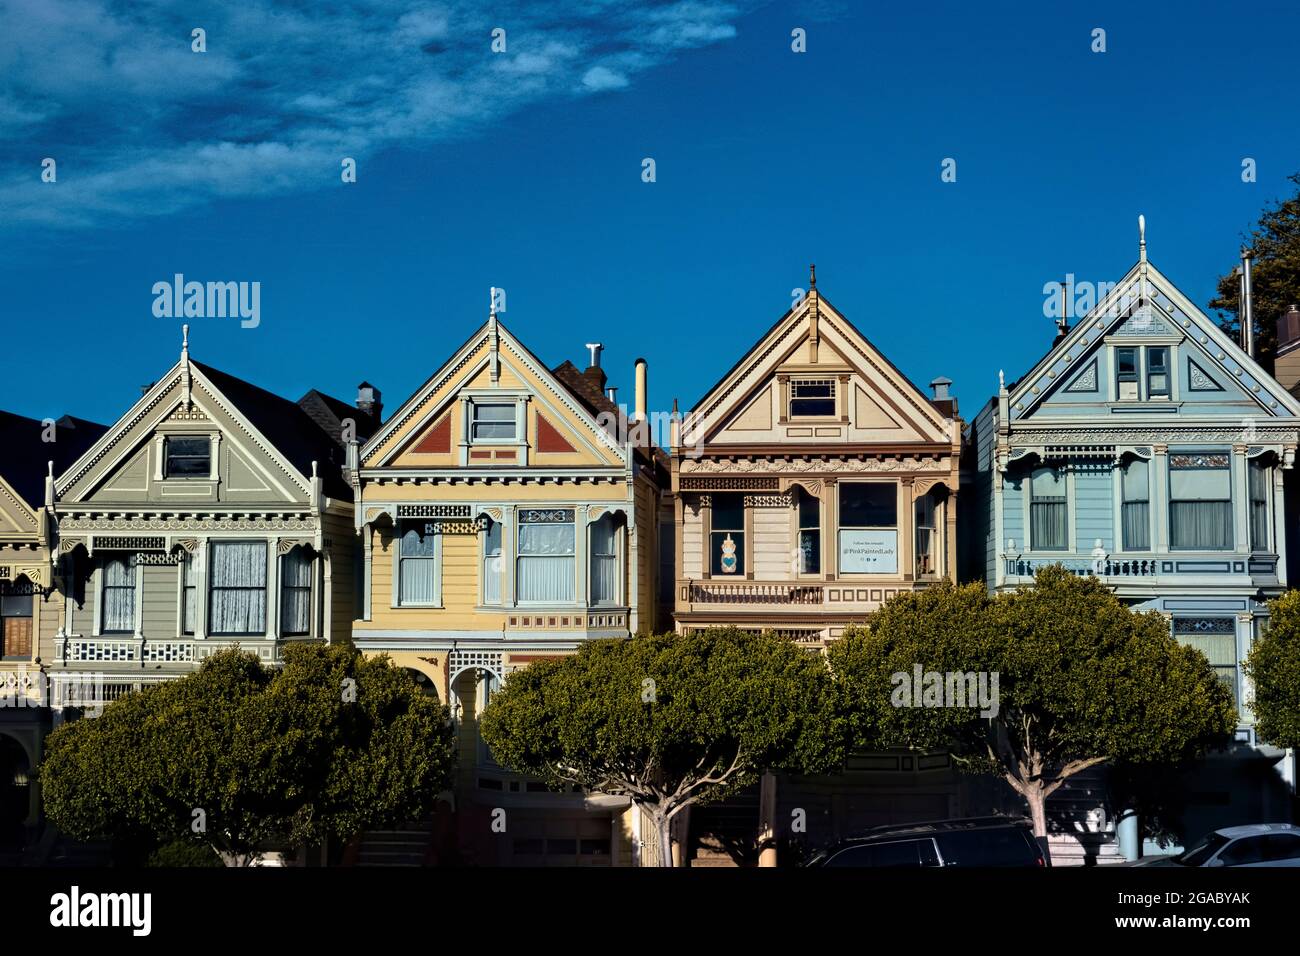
x=523 y=170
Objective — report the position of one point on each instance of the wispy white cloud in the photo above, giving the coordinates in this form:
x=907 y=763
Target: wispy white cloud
x=141 y=125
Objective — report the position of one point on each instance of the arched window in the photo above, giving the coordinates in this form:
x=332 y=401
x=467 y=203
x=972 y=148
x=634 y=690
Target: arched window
x=295 y=593
x=604 y=561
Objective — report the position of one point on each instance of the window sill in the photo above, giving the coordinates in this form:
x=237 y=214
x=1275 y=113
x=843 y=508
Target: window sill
x=416 y=607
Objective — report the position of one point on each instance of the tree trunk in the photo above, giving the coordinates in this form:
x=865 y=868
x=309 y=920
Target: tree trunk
x=1034 y=796
x=663 y=828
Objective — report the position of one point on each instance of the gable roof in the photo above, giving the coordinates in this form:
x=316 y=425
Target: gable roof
x=287 y=426
x=712 y=406
x=24 y=455
x=329 y=414
x=580 y=398
x=1146 y=286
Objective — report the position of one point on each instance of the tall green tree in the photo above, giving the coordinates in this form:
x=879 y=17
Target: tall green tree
x=236 y=755
x=671 y=720
x=1081 y=680
x=1275 y=275
x=1273 y=666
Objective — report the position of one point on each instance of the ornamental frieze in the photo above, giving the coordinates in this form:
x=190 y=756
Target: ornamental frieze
x=294 y=525
x=715 y=466
x=1159 y=434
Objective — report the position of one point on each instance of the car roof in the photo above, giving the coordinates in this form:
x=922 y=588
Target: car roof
x=1255 y=829
x=932 y=828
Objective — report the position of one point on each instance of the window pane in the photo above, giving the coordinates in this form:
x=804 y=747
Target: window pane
x=546 y=579
x=812 y=397
x=494 y=422
x=188 y=456
x=417 y=565
x=604 y=562
x=728 y=512
x=810 y=552
x=1126 y=361
x=1199 y=484
x=1200 y=525
x=864 y=505
x=295 y=593
x=1137 y=487
x=119 y=596
x=237 y=603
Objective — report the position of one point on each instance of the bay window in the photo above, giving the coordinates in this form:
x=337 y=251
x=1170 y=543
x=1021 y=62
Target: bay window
x=604 y=561
x=1200 y=502
x=118 y=616
x=1048 y=511
x=237 y=588
x=1258 y=474
x=868 y=531
x=1135 y=511
x=545 y=568
x=727 y=534
x=417 y=565
x=295 y=593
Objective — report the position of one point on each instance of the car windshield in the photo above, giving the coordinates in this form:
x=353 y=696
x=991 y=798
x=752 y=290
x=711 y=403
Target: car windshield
x=1199 y=854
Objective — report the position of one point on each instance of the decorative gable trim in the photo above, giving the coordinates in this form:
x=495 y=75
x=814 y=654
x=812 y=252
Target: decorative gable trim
x=1201 y=380
x=1085 y=381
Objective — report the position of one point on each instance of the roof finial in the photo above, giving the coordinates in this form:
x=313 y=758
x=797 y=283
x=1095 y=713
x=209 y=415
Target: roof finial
x=1142 y=238
x=185 y=342
x=1002 y=380
x=812 y=275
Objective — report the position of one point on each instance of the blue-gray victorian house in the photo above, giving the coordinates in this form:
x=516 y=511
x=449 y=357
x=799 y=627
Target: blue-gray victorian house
x=1148 y=448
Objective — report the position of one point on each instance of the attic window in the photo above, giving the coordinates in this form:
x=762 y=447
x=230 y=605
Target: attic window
x=812 y=398
x=189 y=457
x=493 y=422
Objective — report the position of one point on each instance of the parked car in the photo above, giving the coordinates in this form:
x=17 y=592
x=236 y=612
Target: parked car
x=1256 y=844
x=978 y=841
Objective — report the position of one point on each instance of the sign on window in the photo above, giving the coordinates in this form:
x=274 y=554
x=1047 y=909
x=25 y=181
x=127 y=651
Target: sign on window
x=868 y=552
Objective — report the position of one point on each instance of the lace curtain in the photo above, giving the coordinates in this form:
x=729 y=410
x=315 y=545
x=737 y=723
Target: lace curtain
x=295 y=593
x=546 y=568
x=237 y=597
x=604 y=562
x=119 y=596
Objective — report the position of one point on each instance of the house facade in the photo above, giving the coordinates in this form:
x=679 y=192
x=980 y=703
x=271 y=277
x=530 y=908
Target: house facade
x=1146 y=447
x=31 y=452
x=508 y=512
x=811 y=484
x=213 y=513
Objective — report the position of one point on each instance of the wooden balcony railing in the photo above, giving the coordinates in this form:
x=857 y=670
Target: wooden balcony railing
x=751 y=592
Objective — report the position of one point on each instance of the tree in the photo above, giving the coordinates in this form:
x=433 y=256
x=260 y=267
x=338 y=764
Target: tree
x=1275 y=276
x=670 y=720
x=1273 y=666
x=236 y=755
x=1080 y=680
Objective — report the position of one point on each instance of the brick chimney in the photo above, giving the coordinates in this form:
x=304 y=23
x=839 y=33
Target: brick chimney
x=370 y=402
x=1286 y=365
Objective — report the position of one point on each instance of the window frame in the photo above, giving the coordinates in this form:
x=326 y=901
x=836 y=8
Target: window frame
x=1231 y=543
x=485 y=554
x=1063 y=475
x=1124 y=501
x=813 y=381
x=212 y=587
x=133 y=575
x=841 y=527
x=802 y=528
x=434 y=560
x=310 y=588
x=1134 y=377
x=520 y=556
x=476 y=404
x=718 y=535
x=1167 y=392
x=169 y=475
x=618 y=599
x=1256 y=466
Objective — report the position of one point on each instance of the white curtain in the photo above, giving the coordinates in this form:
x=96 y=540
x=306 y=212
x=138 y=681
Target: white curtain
x=546 y=567
x=295 y=592
x=119 y=596
x=1258 y=506
x=1135 y=510
x=604 y=562
x=416 y=568
x=237 y=597
x=188 y=579
x=1047 y=511
x=1200 y=509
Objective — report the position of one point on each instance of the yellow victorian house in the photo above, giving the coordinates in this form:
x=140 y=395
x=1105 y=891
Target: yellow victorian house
x=509 y=513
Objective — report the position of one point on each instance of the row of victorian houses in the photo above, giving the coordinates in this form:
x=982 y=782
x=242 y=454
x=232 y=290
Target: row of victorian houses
x=509 y=511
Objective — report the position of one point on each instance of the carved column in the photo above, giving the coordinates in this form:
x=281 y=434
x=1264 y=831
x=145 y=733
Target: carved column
x=829 y=522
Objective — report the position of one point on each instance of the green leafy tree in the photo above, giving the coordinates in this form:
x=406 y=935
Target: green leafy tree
x=669 y=720
x=1081 y=680
x=236 y=755
x=1275 y=276
x=1273 y=666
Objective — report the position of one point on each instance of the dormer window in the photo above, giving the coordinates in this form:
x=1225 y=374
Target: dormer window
x=812 y=398
x=1126 y=372
x=1157 y=373
x=188 y=457
x=494 y=422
